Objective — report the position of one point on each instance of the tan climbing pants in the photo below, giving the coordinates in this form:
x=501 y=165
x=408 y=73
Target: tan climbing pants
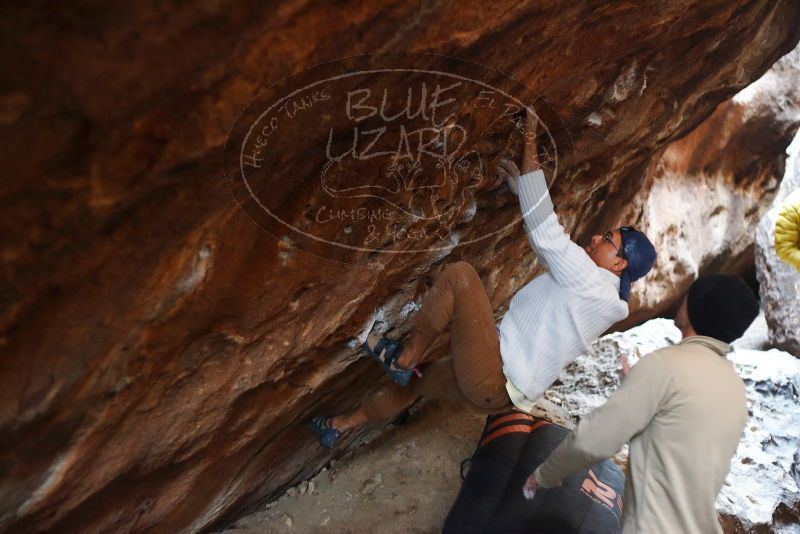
x=473 y=374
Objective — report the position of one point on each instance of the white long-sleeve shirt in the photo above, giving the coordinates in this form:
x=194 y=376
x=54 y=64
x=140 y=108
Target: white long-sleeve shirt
x=556 y=316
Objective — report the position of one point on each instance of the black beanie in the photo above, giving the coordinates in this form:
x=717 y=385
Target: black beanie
x=721 y=306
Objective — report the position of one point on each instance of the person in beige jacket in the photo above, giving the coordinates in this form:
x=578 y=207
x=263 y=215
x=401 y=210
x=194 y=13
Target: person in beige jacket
x=683 y=409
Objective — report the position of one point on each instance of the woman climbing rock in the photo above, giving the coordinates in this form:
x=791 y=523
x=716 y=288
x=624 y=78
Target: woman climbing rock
x=550 y=321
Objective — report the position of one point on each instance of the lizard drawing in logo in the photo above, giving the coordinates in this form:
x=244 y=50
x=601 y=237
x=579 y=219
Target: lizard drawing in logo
x=430 y=180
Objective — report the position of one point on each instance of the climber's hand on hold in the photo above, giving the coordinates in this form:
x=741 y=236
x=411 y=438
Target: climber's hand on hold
x=510 y=173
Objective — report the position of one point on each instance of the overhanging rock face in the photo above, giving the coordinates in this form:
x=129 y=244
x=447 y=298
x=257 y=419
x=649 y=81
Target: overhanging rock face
x=160 y=351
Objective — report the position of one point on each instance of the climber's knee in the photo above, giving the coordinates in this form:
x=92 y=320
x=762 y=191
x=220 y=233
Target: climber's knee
x=462 y=274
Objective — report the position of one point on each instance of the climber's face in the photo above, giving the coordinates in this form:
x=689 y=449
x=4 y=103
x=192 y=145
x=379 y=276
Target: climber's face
x=606 y=251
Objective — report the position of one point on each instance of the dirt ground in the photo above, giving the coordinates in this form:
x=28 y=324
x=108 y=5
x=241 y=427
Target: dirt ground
x=403 y=482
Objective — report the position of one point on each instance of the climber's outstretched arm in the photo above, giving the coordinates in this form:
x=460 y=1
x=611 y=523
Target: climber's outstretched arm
x=568 y=263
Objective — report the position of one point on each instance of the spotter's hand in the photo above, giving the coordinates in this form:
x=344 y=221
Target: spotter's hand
x=530 y=487
x=626 y=366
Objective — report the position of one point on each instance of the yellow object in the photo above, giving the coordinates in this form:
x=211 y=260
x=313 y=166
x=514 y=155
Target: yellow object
x=787 y=230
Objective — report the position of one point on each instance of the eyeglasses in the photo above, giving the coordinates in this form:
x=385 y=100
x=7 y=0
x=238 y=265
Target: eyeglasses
x=607 y=237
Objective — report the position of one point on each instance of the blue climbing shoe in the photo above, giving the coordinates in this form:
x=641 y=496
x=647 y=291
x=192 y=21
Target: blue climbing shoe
x=327 y=435
x=386 y=352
